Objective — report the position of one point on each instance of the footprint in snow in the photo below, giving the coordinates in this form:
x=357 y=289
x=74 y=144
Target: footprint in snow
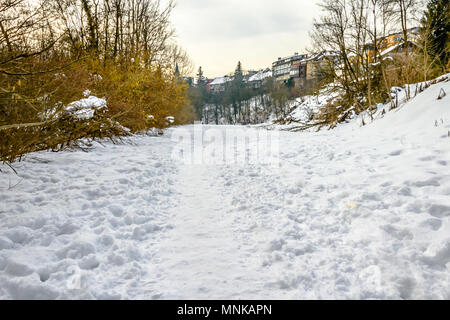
x=397 y=233
x=439 y=211
x=396 y=153
x=429 y=158
x=433 y=182
x=433 y=224
x=116 y=211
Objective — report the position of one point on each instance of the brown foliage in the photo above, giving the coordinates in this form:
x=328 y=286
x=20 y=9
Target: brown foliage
x=138 y=98
x=48 y=63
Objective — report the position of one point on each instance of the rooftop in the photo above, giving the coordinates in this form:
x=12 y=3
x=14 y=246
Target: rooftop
x=261 y=75
x=221 y=80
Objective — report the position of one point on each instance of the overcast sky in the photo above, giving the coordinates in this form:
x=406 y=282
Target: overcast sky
x=219 y=33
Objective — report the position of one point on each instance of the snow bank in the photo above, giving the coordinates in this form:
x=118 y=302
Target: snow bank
x=423 y=108
x=305 y=108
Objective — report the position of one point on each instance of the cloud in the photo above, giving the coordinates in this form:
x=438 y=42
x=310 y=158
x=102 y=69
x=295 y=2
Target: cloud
x=218 y=33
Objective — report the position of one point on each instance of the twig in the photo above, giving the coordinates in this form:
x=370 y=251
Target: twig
x=12 y=187
x=29 y=55
x=41 y=72
x=11 y=167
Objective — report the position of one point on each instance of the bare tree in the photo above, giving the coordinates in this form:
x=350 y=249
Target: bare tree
x=405 y=12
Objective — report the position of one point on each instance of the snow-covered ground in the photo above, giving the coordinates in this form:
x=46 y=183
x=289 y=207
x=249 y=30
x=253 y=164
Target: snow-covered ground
x=352 y=213
x=304 y=108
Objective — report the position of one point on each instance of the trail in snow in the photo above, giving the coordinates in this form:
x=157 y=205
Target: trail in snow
x=354 y=213
x=201 y=257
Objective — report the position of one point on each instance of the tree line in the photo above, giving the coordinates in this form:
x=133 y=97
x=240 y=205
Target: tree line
x=53 y=51
x=241 y=101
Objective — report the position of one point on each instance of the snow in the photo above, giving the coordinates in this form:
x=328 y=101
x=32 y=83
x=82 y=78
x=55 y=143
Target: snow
x=261 y=75
x=351 y=213
x=308 y=106
x=170 y=119
x=221 y=80
x=303 y=110
x=390 y=49
x=95 y=216
x=85 y=108
x=96 y=77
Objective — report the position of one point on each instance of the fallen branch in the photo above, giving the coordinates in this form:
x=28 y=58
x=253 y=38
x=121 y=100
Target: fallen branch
x=12 y=168
x=25 y=125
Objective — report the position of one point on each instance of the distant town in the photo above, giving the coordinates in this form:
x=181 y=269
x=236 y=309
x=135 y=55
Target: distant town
x=302 y=71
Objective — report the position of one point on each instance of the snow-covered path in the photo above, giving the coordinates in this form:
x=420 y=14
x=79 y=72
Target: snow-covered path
x=201 y=257
x=199 y=246
x=348 y=214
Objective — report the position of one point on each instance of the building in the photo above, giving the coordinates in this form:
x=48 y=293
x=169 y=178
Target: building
x=302 y=70
x=398 y=38
x=208 y=84
x=219 y=84
x=319 y=62
x=286 y=68
x=249 y=74
x=393 y=43
x=298 y=72
x=256 y=80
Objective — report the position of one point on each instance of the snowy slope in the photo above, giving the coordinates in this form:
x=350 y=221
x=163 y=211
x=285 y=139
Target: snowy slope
x=305 y=107
x=352 y=213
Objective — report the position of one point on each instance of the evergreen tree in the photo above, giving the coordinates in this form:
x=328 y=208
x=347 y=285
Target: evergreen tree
x=200 y=94
x=437 y=23
x=177 y=71
x=237 y=91
x=201 y=81
x=238 y=74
